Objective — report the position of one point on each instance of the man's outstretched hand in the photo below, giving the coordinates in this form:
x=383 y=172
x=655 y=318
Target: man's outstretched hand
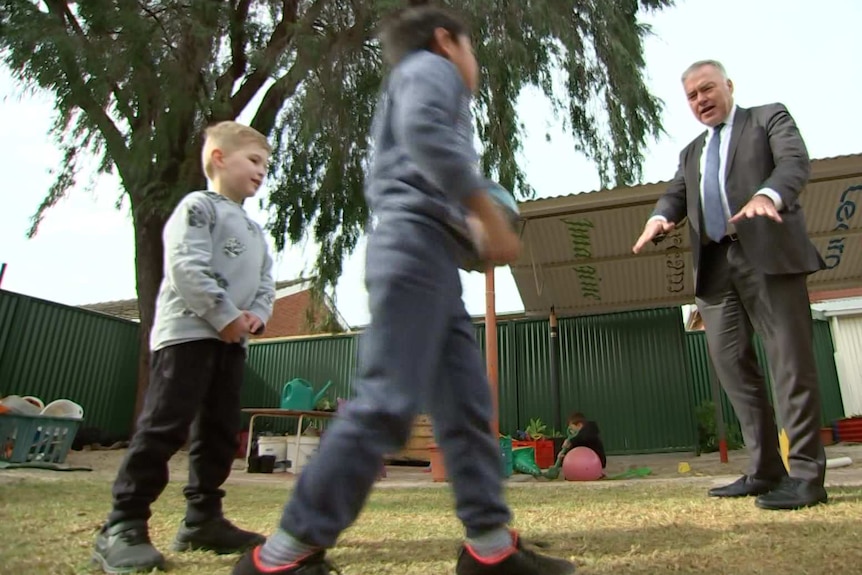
x=651 y=230
x=758 y=206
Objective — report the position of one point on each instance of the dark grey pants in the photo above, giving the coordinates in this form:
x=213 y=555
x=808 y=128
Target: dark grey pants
x=418 y=352
x=736 y=301
x=194 y=388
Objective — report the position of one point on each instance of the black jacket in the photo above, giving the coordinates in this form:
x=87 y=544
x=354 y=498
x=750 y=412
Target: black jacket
x=588 y=436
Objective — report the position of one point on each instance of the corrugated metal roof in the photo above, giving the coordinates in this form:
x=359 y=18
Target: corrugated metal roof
x=128 y=308
x=834 y=160
x=577 y=249
x=847 y=306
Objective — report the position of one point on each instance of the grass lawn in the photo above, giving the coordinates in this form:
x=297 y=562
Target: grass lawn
x=48 y=527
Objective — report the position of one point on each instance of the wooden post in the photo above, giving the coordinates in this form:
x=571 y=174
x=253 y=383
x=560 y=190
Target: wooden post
x=491 y=348
x=720 y=427
x=554 y=344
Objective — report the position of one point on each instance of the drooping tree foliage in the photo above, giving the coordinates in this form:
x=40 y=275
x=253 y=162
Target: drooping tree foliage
x=135 y=81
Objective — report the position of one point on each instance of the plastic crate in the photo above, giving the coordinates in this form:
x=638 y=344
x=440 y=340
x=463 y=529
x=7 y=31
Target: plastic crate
x=26 y=438
x=543 y=448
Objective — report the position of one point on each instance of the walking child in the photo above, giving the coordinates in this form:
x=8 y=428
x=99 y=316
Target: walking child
x=419 y=351
x=217 y=289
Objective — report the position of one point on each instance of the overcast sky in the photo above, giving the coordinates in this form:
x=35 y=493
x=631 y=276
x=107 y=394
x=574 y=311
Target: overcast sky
x=801 y=53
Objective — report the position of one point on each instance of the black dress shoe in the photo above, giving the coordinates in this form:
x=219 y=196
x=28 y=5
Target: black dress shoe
x=745 y=486
x=792 y=493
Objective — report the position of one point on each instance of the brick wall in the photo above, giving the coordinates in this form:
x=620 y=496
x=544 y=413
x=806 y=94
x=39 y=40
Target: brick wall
x=290 y=317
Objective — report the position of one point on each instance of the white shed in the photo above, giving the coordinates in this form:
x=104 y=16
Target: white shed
x=845 y=318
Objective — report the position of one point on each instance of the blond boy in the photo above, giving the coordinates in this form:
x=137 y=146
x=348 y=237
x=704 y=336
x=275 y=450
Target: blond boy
x=218 y=288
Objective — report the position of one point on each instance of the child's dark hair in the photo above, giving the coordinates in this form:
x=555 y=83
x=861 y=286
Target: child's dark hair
x=577 y=417
x=412 y=28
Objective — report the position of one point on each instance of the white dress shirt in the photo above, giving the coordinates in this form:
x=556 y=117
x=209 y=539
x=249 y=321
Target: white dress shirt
x=724 y=147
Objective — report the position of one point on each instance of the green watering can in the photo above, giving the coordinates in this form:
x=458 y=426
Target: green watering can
x=298 y=395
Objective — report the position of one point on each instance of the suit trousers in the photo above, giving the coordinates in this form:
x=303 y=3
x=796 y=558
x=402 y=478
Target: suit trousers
x=736 y=300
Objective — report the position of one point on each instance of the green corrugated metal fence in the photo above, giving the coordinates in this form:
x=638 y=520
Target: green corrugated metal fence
x=702 y=371
x=702 y=375
x=628 y=372
x=318 y=360
x=636 y=373
x=53 y=351
x=507 y=372
x=832 y=405
x=531 y=349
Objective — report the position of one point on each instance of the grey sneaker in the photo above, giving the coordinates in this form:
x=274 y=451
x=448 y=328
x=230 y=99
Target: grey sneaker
x=219 y=535
x=126 y=548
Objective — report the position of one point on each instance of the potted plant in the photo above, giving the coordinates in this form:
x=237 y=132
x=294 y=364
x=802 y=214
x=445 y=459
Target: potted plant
x=849 y=429
x=536 y=429
x=536 y=438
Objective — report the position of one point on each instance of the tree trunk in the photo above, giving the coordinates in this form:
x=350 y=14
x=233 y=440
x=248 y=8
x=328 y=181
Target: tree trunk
x=149 y=270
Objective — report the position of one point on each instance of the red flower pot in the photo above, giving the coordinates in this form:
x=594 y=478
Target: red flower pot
x=849 y=430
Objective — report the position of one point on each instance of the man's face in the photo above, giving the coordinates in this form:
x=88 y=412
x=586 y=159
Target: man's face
x=709 y=94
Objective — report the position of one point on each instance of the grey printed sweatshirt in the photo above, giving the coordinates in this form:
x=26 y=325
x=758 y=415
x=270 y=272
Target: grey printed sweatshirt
x=217 y=264
x=424 y=162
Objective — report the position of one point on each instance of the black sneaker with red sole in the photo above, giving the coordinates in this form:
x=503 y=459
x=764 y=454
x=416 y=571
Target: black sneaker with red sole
x=316 y=564
x=517 y=561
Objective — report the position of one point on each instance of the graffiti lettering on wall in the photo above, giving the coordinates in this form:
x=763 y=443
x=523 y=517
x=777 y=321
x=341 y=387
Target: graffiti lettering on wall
x=843 y=215
x=674 y=263
x=582 y=246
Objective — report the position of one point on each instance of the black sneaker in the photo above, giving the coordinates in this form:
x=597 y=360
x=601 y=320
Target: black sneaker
x=219 y=535
x=518 y=561
x=126 y=548
x=316 y=564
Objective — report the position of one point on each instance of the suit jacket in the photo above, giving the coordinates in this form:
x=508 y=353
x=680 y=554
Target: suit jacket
x=765 y=151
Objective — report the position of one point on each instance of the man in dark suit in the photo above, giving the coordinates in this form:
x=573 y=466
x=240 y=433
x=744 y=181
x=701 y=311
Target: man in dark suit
x=738 y=184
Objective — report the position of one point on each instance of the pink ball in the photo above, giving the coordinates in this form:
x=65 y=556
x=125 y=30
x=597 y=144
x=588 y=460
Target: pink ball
x=582 y=464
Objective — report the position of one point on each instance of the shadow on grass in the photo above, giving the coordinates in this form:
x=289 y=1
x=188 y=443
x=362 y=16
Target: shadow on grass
x=810 y=547
x=610 y=542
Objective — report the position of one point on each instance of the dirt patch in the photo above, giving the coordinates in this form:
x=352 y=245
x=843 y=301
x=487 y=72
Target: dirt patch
x=705 y=469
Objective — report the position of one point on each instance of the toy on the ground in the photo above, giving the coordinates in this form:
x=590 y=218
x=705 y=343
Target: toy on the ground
x=634 y=473
x=524 y=461
x=552 y=472
x=582 y=464
x=838 y=462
